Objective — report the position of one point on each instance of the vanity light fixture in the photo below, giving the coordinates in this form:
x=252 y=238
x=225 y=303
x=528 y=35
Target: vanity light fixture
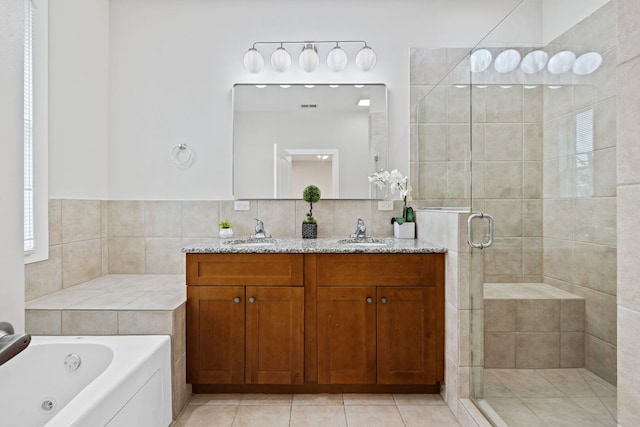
x=364 y=102
x=285 y=86
x=309 y=59
x=535 y=61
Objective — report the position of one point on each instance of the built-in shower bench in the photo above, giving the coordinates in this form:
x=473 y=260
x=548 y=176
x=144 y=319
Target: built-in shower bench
x=532 y=325
x=120 y=304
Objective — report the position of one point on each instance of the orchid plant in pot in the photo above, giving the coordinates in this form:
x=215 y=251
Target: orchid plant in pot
x=397 y=183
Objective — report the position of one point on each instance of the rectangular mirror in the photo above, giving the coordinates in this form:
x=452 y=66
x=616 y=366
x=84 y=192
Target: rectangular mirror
x=286 y=137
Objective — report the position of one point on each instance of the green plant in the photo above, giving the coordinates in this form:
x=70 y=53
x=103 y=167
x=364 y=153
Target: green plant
x=311 y=195
x=225 y=224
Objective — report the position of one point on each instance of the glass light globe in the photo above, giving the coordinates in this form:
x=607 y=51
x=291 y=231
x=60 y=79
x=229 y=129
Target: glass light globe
x=337 y=59
x=253 y=61
x=366 y=59
x=280 y=59
x=309 y=59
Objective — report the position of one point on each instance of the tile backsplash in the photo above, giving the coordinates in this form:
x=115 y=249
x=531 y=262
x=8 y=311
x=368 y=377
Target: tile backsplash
x=91 y=238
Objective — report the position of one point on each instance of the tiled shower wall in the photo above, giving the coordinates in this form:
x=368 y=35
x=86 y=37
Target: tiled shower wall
x=554 y=204
x=91 y=238
x=507 y=155
x=579 y=221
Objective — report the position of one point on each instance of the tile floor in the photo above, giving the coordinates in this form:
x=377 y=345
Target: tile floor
x=322 y=410
x=550 y=397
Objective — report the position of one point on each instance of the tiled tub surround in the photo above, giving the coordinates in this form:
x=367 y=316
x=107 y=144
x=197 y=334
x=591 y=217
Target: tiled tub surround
x=532 y=325
x=120 y=304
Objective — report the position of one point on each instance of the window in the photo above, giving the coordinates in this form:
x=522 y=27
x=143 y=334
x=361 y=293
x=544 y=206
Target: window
x=29 y=240
x=36 y=233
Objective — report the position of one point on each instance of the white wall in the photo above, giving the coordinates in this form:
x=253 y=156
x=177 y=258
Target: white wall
x=558 y=16
x=78 y=98
x=11 y=160
x=172 y=64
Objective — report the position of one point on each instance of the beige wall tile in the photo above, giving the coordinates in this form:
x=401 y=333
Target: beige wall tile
x=432 y=142
x=81 y=220
x=182 y=390
x=599 y=226
x=507 y=214
x=381 y=220
x=55 y=222
x=604 y=170
x=346 y=214
x=600 y=314
x=628 y=127
x=532 y=104
x=600 y=358
x=628 y=33
x=81 y=261
x=145 y=322
x=505 y=257
x=532 y=218
x=502 y=179
x=532 y=258
x=571 y=349
x=162 y=218
x=595 y=267
x=503 y=141
x=179 y=332
x=43 y=322
x=278 y=216
x=604 y=126
x=537 y=315
x=164 y=256
x=571 y=315
x=558 y=218
x=104 y=219
x=200 y=218
x=503 y=104
x=126 y=255
x=557 y=102
x=432 y=178
x=628 y=284
x=77 y=322
x=243 y=221
x=428 y=66
x=458 y=144
x=537 y=350
x=499 y=350
x=628 y=367
x=458 y=104
x=44 y=277
x=532 y=141
x=126 y=218
x=500 y=315
x=532 y=180
x=451 y=342
x=432 y=108
x=557 y=259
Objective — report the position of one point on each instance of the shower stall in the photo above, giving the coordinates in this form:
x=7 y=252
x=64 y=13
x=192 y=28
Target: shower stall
x=520 y=130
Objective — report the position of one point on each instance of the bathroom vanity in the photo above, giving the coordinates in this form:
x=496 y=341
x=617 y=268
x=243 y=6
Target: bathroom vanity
x=320 y=316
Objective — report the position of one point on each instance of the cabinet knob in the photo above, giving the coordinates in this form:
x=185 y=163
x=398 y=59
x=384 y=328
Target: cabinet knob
x=383 y=300
x=252 y=300
x=236 y=300
x=369 y=300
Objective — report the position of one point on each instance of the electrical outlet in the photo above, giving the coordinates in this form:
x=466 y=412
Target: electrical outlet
x=242 y=205
x=385 y=205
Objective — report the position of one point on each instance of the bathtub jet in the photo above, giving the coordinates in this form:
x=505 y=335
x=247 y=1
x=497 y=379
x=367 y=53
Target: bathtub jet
x=11 y=344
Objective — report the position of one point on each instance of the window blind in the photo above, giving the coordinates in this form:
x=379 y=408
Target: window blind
x=29 y=235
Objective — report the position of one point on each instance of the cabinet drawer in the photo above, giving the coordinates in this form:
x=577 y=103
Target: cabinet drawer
x=244 y=269
x=380 y=269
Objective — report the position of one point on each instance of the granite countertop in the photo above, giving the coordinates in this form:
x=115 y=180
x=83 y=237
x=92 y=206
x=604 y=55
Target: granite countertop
x=320 y=245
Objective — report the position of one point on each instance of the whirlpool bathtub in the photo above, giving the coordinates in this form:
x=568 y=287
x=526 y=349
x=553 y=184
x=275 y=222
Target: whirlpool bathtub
x=88 y=382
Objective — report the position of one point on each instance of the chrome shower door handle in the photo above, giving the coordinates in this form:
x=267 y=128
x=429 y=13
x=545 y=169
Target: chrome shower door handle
x=481 y=245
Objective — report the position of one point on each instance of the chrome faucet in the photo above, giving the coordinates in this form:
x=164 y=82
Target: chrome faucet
x=259 y=230
x=11 y=344
x=361 y=230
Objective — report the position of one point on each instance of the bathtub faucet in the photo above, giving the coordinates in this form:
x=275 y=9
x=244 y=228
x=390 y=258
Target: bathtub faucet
x=10 y=343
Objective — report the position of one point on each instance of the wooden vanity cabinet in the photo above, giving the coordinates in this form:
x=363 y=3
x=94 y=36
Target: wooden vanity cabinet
x=245 y=319
x=315 y=322
x=372 y=327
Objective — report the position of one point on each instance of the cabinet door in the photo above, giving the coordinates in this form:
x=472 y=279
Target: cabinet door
x=275 y=335
x=408 y=341
x=347 y=335
x=215 y=335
